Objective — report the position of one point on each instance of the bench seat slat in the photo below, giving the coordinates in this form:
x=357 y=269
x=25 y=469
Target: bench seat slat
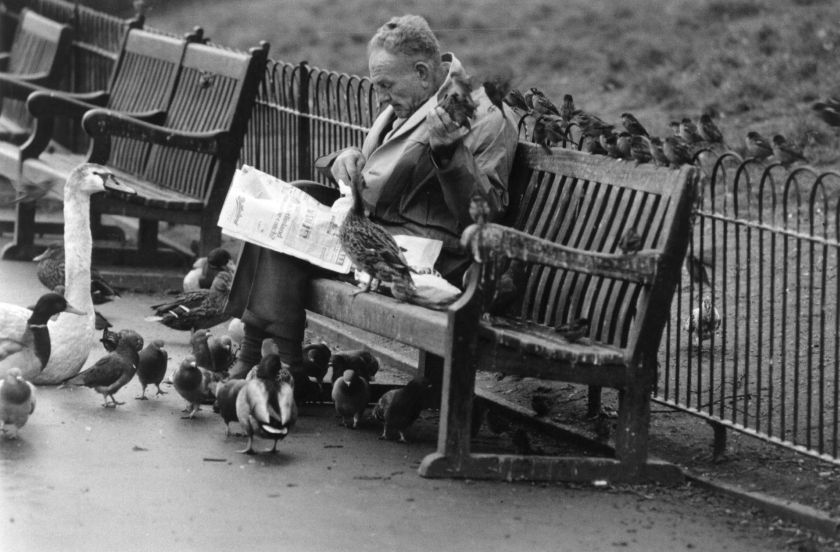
x=409 y=324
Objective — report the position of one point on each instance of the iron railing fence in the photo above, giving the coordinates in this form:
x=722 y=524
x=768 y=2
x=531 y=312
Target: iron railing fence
x=767 y=235
x=767 y=238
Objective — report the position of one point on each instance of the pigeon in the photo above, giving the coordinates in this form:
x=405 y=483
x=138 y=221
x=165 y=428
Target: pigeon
x=351 y=394
x=574 y=330
x=204 y=270
x=222 y=354
x=785 y=152
x=630 y=242
x=193 y=383
x=111 y=372
x=200 y=348
x=397 y=409
x=226 y=394
x=265 y=405
x=109 y=339
x=316 y=360
x=151 y=367
x=17 y=403
x=704 y=320
x=757 y=146
x=360 y=361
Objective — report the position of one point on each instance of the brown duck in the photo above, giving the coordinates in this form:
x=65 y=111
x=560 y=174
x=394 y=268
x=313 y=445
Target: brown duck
x=373 y=250
x=195 y=310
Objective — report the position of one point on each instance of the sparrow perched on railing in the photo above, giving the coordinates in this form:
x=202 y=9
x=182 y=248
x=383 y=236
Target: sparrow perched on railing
x=632 y=125
x=757 y=146
x=785 y=152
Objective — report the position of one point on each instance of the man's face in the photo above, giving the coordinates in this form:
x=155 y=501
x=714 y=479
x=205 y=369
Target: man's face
x=398 y=81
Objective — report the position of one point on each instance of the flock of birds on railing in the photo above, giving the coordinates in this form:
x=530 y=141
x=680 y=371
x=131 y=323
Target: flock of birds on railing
x=630 y=139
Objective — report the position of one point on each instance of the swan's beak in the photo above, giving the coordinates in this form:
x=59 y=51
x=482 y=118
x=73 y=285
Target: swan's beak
x=70 y=309
x=114 y=185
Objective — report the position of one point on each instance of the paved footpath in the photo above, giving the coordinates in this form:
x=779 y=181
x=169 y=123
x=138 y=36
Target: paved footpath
x=138 y=477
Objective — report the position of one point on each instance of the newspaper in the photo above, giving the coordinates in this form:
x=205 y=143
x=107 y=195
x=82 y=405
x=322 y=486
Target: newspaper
x=264 y=210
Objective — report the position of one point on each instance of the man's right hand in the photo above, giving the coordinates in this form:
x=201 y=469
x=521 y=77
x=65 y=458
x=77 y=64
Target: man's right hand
x=348 y=166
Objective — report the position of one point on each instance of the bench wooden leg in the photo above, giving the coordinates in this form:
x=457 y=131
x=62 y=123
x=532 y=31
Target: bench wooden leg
x=632 y=429
x=23 y=247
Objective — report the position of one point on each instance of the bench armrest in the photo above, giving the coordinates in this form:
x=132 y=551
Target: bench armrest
x=64 y=104
x=102 y=124
x=20 y=86
x=489 y=241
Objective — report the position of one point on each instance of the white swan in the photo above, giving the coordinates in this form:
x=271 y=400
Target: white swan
x=72 y=340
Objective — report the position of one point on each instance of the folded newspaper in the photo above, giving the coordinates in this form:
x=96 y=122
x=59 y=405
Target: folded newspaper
x=264 y=210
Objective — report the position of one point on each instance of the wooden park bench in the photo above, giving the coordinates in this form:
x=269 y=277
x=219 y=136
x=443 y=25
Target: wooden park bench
x=171 y=126
x=569 y=212
x=37 y=58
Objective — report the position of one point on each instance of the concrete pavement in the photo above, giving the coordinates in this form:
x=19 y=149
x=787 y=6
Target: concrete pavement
x=138 y=477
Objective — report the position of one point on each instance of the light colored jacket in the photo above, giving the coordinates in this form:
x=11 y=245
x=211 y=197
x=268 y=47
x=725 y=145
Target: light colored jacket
x=408 y=193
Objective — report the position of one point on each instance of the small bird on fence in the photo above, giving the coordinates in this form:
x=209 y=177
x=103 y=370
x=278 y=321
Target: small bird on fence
x=265 y=405
x=567 y=109
x=51 y=274
x=573 y=330
x=709 y=131
x=656 y=151
x=111 y=372
x=360 y=361
x=704 y=320
x=548 y=130
x=225 y=403
x=515 y=99
x=630 y=242
x=151 y=367
x=204 y=269
x=17 y=403
x=632 y=125
x=677 y=151
x=785 y=152
x=689 y=132
x=622 y=144
x=399 y=408
x=591 y=125
x=828 y=111
x=194 y=310
x=540 y=104
x=757 y=146
x=609 y=141
x=640 y=150
x=193 y=384
x=351 y=394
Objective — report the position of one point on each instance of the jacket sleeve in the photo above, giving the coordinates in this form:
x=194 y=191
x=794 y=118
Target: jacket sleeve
x=482 y=160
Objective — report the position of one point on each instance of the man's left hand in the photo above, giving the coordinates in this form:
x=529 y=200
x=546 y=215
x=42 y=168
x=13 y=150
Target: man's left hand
x=444 y=133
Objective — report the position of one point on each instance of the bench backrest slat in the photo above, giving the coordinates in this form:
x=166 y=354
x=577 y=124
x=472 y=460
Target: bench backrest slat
x=214 y=92
x=40 y=45
x=588 y=202
x=144 y=78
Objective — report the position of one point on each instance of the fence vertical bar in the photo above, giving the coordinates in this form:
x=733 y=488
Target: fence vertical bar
x=304 y=146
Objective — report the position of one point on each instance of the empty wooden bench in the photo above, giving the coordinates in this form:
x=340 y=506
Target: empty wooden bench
x=37 y=58
x=569 y=211
x=176 y=144
x=141 y=84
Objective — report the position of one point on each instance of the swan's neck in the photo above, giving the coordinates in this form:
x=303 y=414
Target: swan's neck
x=78 y=246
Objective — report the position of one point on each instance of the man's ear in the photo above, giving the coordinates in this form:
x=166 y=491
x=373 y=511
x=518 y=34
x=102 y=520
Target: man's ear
x=424 y=72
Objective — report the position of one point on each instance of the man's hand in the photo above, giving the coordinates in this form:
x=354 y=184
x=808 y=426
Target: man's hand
x=444 y=133
x=348 y=166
